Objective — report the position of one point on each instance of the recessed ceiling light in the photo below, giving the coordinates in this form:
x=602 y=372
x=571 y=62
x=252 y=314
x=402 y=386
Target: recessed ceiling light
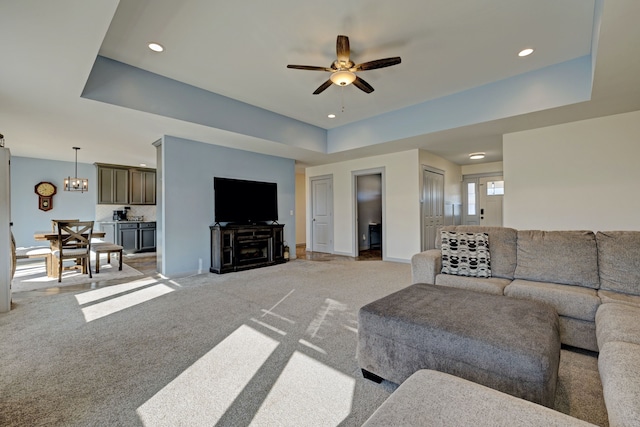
x=332 y=116
x=525 y=52
x=476 y=156
x=143 y=164
x=156 y=47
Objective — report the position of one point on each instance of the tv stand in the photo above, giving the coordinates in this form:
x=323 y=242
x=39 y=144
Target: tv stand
x=236 y=247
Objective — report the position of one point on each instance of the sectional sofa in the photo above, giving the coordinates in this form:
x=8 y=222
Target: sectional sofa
x=591 y=279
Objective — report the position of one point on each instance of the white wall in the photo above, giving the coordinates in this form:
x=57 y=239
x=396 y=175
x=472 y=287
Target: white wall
x=401 y=210
x=580 y=175
x=482 y=168
x=452 y=176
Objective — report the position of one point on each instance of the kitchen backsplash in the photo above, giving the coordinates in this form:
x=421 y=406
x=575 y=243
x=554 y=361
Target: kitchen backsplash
x=105 y=212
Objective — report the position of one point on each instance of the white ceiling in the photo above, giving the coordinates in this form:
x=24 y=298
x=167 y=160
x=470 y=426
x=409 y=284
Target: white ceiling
x=241 y=51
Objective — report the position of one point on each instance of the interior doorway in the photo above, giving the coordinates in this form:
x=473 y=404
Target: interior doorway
x=369 y=242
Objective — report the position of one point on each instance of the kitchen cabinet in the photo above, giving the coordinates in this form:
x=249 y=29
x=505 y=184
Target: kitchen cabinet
x=133 y=236
x=143 y=187
x=127 y=236
x=146 y=237
x=125 y=185
x=113 y=185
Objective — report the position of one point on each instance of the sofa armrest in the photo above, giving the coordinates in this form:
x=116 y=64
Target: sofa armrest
x=425 y=266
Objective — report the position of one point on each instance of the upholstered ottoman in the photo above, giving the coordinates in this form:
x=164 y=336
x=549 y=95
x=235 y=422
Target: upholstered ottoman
x=431 y=398
x=507 y=344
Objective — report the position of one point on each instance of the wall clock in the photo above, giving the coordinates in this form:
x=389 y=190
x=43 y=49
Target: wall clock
x=45 y=192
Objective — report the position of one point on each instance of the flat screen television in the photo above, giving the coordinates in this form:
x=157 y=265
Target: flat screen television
x=245 y=202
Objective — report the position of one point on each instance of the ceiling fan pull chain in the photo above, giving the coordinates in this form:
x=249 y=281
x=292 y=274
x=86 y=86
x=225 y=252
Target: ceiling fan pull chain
x=342 y=98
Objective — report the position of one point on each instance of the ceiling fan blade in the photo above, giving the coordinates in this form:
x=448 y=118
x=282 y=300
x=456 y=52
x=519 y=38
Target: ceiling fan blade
x=342 y=49
x=310 y=67
x=378 y=63
x=362 y=85
x=323 y=86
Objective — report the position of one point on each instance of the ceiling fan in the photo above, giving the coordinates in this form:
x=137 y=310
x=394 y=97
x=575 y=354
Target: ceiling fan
x=343 y=69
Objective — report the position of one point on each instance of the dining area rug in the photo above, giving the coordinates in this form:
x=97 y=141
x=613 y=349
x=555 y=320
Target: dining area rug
x=32 y=275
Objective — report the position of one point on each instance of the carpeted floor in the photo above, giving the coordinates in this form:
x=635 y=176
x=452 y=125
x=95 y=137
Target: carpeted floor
x=271 y=346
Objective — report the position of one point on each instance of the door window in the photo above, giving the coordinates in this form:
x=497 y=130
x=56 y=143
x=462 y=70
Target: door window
x=495 y=188
x=471 y=198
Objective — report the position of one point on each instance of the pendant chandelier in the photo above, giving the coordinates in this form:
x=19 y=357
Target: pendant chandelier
x=75 y=183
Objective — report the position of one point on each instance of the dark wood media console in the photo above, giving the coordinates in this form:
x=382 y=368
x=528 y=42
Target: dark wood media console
x=237 y=247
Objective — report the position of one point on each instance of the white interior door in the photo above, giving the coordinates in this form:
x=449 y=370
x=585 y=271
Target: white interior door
x=321 y=215
x=432 y=207
x=491 y=193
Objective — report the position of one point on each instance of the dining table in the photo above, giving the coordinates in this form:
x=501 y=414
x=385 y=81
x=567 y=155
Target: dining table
x=52 y=236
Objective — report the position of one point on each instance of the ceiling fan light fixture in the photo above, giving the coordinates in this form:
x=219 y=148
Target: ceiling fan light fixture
x=476 y=156
x=343 y=77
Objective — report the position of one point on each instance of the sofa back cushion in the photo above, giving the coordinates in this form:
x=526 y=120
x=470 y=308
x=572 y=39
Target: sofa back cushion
x=619 y=261
x=564 y=257
x=502 y=247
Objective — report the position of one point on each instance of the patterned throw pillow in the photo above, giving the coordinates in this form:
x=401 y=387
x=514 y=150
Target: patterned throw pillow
x=465 y=254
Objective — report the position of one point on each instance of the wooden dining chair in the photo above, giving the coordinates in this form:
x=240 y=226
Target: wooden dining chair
x=74 y=242
x=54 y=223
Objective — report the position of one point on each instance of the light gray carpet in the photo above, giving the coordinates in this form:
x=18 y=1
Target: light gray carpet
x=272 y=346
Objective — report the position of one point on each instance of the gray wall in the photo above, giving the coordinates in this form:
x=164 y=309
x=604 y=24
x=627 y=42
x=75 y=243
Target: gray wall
x=26 y=217
x=188 y=168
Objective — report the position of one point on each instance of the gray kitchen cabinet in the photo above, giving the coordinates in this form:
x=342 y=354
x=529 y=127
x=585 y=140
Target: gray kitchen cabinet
x=113 y=185
x=125 y=185
x=127 y=235
x=146 y=237
x=133 y=236
x=143 y=187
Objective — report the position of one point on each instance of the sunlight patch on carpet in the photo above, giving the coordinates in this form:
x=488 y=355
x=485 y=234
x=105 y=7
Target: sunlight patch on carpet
x=329 y=310
x=307 y=393
x=109 y=291
x=106 y=308
x=204 y=392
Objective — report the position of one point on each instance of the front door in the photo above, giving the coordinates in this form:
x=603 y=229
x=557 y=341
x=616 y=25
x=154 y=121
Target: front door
x=432 y=207
x=491 y=191
x=321 y=215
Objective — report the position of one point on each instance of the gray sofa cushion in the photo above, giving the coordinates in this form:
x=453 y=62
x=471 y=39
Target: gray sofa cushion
x=619 y=261
x=492 y=285
x=572 y=301
x=617 y=322
x=617 y=297
x=502 y=247
x=578 y=333
x=567 y=257
x=432 y=398
x=619 y=366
